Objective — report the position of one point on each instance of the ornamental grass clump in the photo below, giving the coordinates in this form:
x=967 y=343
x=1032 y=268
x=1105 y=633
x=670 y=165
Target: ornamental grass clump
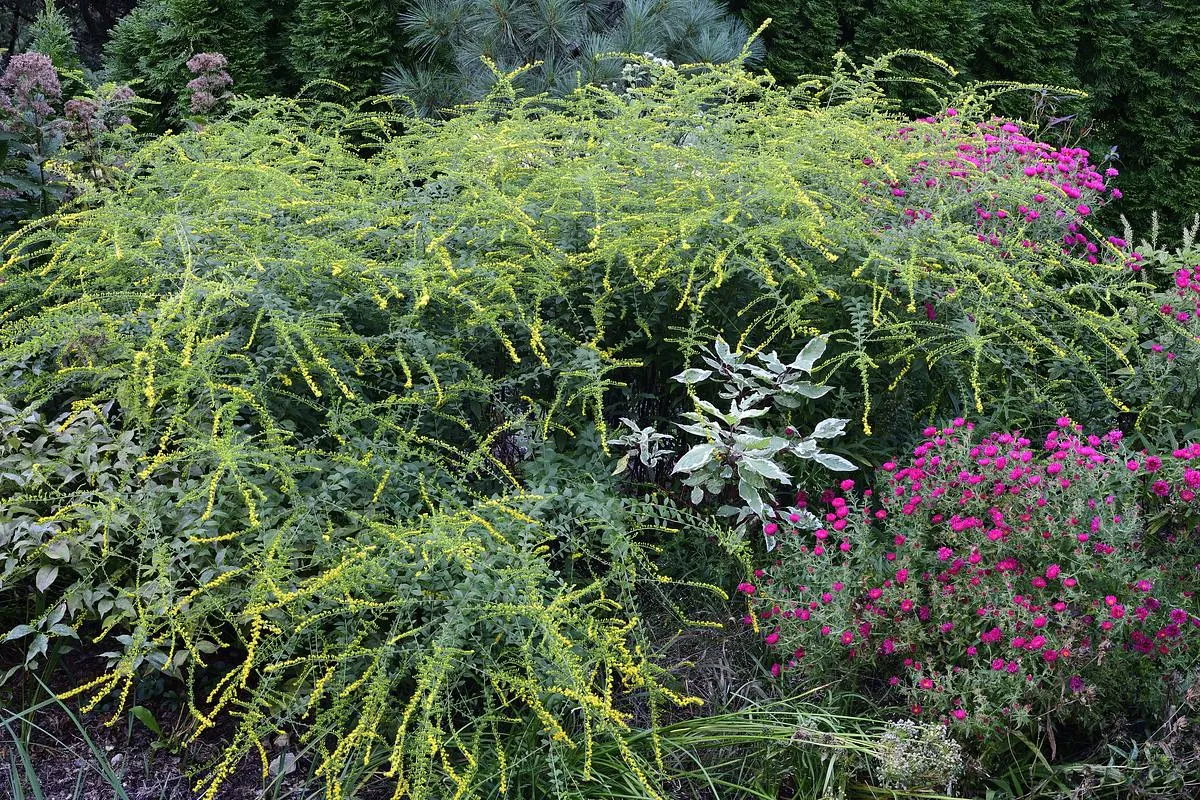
x=991 y=581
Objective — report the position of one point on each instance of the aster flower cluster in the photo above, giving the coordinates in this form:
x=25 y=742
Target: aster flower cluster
x=992 y=580
x=1017 y=193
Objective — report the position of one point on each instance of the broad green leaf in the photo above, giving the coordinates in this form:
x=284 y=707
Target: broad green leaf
x=59 y=550
x=45 y=577
x=809 y=355
x=834 y=462
x=695 y=458
x=37 y=647
x=18 y=632
x=807 y=389
x=767 y=468
x=750 y=496
x=146 y=717
x=693 y=375
x=829 y=428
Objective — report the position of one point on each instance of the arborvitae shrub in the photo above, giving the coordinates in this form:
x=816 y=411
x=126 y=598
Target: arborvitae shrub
x=151 y=45
x=347 y=42
x=285 y=378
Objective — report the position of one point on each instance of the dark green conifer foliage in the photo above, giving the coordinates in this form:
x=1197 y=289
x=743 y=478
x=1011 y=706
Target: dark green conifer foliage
x=805 y=34
x=51 y=34
x=153 y=43
x=347 y=41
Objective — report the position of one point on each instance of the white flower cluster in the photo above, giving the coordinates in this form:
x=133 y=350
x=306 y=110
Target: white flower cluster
x=917 y=756
x=634 y=74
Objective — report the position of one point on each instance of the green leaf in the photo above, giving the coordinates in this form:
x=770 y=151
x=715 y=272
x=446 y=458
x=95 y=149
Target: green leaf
x=59 y=550
x=146 y=717
x=18 y=632
x=829 y=428
x=833 y=462
x=37 y=647
x=807 y=389
x=45 y=577
x=751 y=497
x=809 y=355
x=693 y=375
x=695 y=458
x=767 y=468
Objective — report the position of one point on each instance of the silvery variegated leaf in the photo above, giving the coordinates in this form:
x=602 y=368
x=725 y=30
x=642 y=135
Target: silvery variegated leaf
x=829 y=428
x=622 y=464
x=701 y=429
x=833 y=462
x=766 y=468
x=697 y=496
x=765 y=445
x=692 y=375
x=762 y=374
x=711 y=410
x=739 y=412
x=807 y=389
x=772 y=362
x=810 y=354
x=751 y=496
x=753 y=478
x=695 y=458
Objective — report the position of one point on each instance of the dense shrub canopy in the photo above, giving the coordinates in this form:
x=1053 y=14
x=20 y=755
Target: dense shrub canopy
x=287 y=377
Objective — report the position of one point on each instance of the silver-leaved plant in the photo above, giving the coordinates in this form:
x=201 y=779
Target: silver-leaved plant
x=735 y=450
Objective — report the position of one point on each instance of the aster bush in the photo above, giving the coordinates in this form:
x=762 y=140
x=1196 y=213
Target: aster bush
x=1165 y=390
x=991 y=581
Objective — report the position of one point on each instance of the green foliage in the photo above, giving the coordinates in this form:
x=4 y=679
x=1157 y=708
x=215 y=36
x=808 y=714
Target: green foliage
x=324 y=361
x=347 y=42
x=1135 y=59
x=152 y=44
x=736 y=452
x=50 y=150
x=1165 y=389
x=452 y=41
x=51 y=34
x=432 y=51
